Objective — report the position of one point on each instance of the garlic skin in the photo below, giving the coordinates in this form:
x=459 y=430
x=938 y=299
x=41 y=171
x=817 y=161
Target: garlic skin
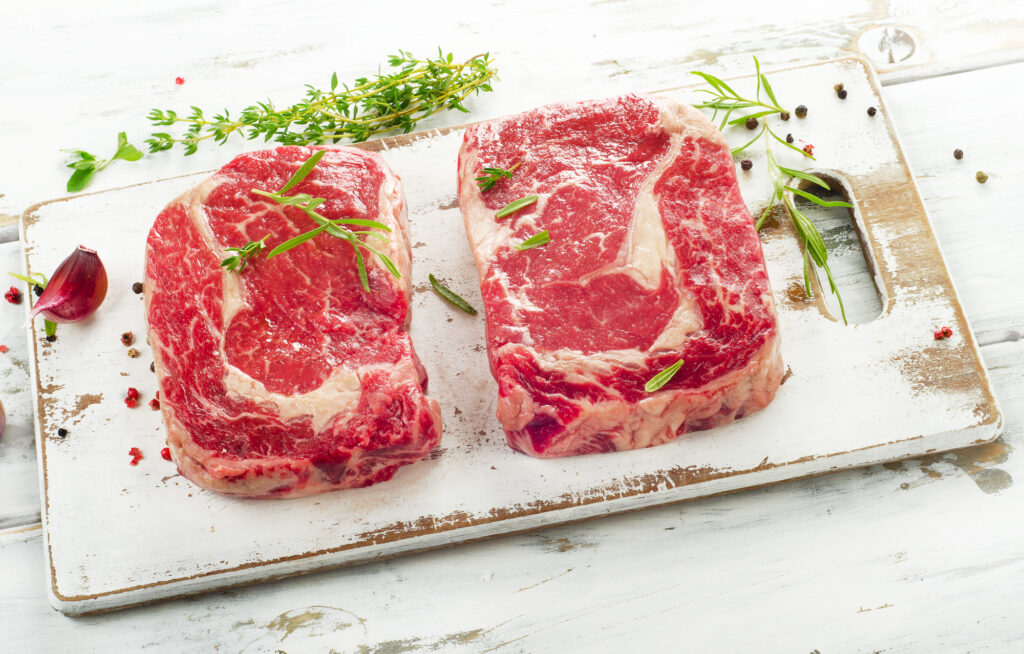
x=76 y=289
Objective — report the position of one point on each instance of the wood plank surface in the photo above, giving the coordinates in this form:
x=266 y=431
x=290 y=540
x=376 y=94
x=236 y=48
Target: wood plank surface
x=923 y=557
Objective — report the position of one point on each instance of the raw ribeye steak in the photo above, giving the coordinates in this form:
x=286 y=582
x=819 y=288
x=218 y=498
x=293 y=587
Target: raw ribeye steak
x=653 y=258
x=287 y=378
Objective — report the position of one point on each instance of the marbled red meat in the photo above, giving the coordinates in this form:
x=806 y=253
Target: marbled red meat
x=653 y=257
x=287 y=378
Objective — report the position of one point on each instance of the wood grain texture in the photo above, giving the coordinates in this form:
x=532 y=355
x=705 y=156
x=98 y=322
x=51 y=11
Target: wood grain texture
x=921 y=557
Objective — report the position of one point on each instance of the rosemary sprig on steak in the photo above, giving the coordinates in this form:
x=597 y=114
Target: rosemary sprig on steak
x=492 y=176
x=308 y=205
x=663 y=377
x=396 y=100
x=535 y=241
x=728 y=100
x=240 y=259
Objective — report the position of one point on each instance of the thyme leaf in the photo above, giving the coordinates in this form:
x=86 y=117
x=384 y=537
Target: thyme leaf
x=663 y=377
x=451 y=296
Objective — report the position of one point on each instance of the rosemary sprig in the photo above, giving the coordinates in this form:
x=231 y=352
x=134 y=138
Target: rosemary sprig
x=663 y=377
x=88 y=164
x=451 y=296
x=243 y=254
x=537 y=240
x=515 y=206
x=397 y=100
x=49 y=327
x=492 y=176
x=308 y=205
x=727 y=99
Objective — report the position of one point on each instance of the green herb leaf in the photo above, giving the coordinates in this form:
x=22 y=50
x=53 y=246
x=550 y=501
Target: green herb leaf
x=239 y=261
x=537 y=240
x=799 y=174
x=492 y=176
x=663 y=377
x=80 y=179
x=450 y=295
x=816 y=200
x=302 y=172
x=515 y=206
x=297 y=240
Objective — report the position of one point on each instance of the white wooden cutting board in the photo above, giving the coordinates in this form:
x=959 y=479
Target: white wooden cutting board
x=118 y=535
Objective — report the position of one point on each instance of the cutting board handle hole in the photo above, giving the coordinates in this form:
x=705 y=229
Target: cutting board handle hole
x=853 y=265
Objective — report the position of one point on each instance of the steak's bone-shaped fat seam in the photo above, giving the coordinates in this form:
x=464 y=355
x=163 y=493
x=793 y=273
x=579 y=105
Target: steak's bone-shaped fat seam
x=286 y=379
x=653 y=257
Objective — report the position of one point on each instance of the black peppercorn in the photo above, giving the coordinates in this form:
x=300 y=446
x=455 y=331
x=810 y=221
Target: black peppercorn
x=801 y=111
x=127 y=338
x=751 y=123
x=784 y=115
x=62 y=432
x=958 y=154
x=37 y=289
x=842 y=94
x=746 y=164
x=789 y=138
x=137 y=287
x=872 y=111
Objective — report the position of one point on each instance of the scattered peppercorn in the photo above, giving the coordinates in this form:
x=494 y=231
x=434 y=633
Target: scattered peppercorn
x=842 y=94
x=981 y=177
x=958 y=154
x=136 y=455
x=62 y=432
x=13 y=296
x=947 y=332
x=166 y=453
x=872 y=111
x=751 y=123
x=3 y=349
x=837 y=87
x=937 y=335
x=154 y=404
x=131 y=398
x=152 y=366
x=137 y=287
x=809 y=149
x=179 y=80
x=801 y=111
x=133 y=392
x=746 y=164
x=37 y=289
x=133 y=353
x=51 y=337
x=789 y=138
x=127 y=338
x=784 y=115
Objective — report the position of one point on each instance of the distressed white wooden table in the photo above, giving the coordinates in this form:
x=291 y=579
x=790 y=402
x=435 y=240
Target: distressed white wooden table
x=921 y=556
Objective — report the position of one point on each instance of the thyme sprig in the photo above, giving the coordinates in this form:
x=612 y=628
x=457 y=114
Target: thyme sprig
x=728 y=100
x=88 y=164
x=396 y=100
x=492 y=176
x=308 y=205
